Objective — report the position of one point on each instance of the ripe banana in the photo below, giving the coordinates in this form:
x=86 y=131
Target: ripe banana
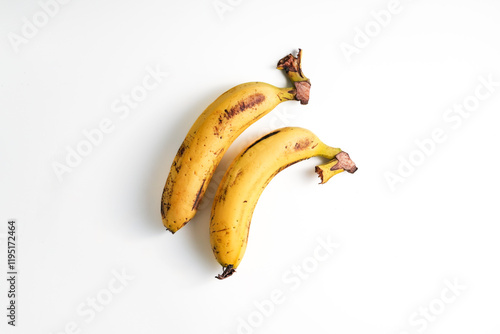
x=214 y=131
x=247 y=177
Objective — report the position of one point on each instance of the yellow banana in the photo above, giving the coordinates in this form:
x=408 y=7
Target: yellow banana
x=214 y=131
x=247 y=177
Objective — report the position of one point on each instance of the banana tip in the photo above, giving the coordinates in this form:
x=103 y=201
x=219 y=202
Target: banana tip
x=227 y=272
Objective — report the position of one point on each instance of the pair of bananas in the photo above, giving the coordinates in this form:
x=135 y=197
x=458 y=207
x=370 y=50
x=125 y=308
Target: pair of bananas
x=248 y=175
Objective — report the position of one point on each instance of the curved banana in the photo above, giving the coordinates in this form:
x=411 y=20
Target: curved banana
x=214 y=131
x=247 y=177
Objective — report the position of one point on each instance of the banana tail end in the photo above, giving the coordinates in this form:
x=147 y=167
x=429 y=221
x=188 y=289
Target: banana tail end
x=227 y=272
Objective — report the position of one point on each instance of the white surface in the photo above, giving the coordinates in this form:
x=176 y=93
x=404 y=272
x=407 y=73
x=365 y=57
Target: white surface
x=397 y=248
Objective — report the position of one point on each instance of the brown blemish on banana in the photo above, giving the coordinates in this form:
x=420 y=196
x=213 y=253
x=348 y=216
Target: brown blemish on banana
x=223 y=195
x=302 y=144
x=181 y=150
x=238 y=175
x=344 y=163
x=198 y=196
x=247 y=103
x=163 y=208
x=162 y=211
x=177 y=167
x=218 y=152
x=224 y=229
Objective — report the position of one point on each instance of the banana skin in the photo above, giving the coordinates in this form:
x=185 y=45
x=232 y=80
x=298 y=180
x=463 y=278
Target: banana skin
x=246 y=179
x=212 y=134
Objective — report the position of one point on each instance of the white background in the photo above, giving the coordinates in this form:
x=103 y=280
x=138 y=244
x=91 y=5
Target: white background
x=398 y=246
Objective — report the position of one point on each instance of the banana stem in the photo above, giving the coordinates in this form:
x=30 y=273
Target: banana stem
x=287 y=94
x=293 y=68
x=341 y=162
x=330 y=152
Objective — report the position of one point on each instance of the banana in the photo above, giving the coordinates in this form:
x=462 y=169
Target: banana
x=249 y=174
x=214 y=131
